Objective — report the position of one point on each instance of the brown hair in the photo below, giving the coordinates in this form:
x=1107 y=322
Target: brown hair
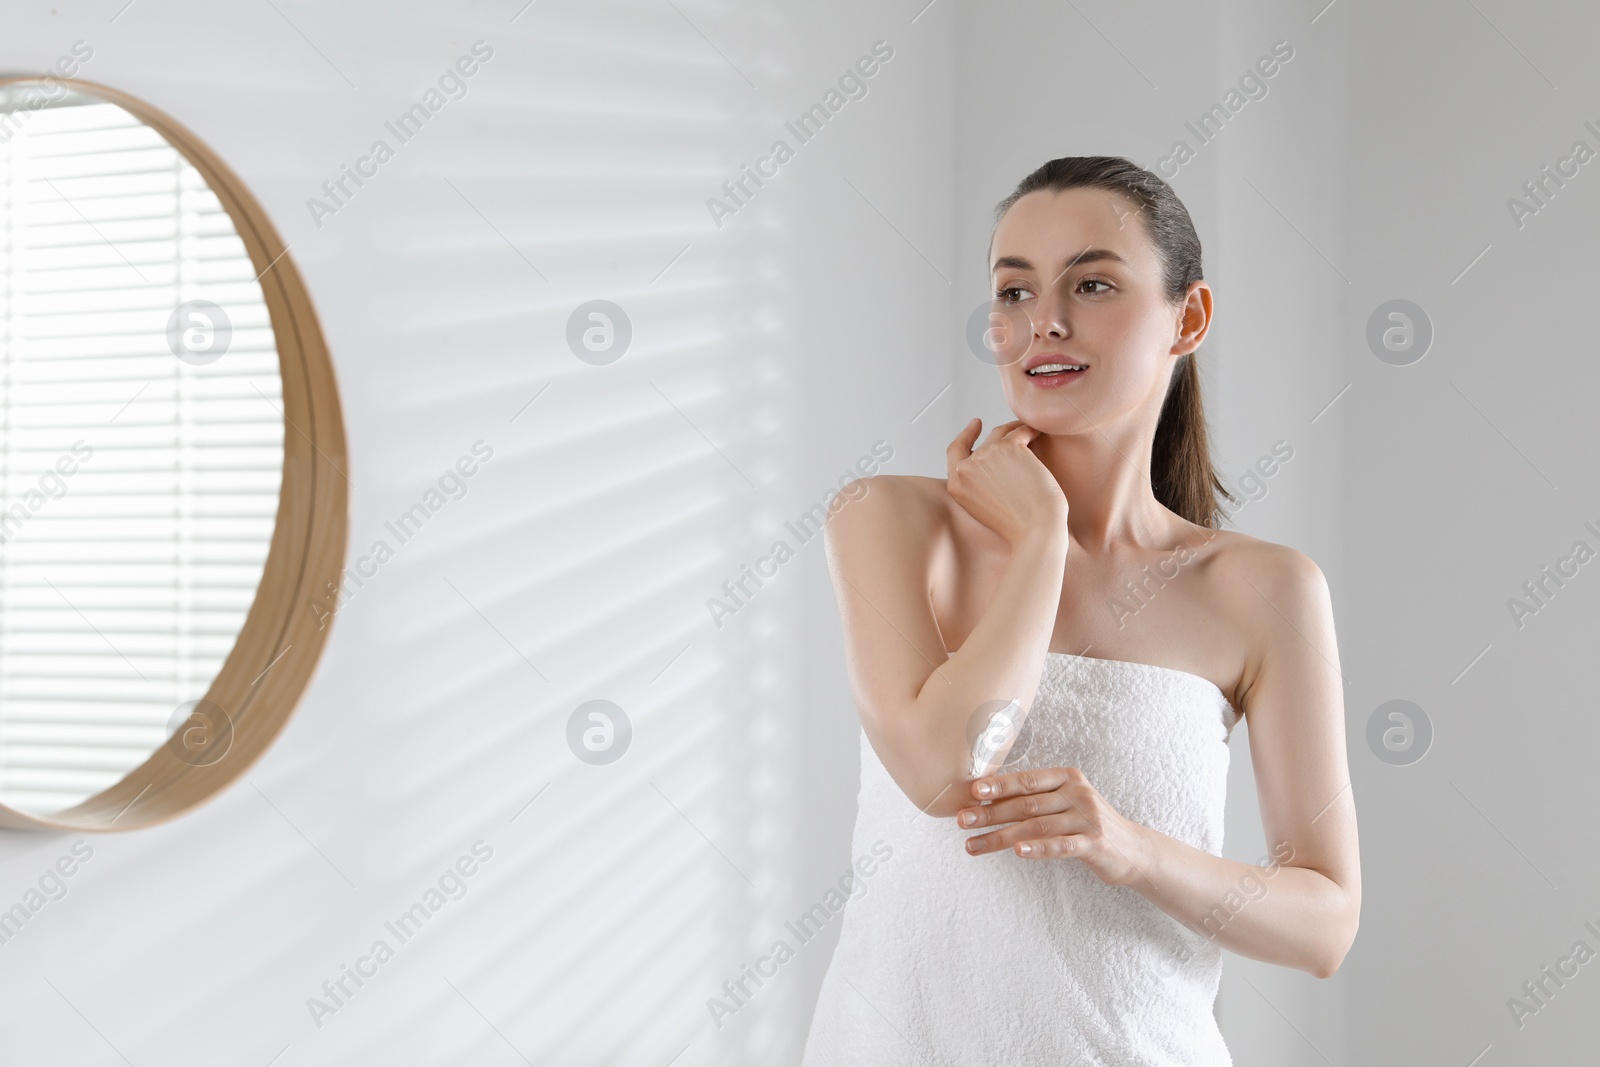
x=1181 y=472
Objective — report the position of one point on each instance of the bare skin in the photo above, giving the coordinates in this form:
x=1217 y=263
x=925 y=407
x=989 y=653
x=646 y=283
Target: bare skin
x=952 y=592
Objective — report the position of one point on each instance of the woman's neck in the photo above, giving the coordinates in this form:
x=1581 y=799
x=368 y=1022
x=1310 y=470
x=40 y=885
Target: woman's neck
x=1106 y=481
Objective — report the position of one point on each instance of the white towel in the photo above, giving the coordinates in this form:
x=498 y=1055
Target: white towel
x=955 y=959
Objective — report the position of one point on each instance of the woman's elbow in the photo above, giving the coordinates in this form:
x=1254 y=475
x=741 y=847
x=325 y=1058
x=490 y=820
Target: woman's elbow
x=1342 y=941
x=950 y=799
x=936 y=782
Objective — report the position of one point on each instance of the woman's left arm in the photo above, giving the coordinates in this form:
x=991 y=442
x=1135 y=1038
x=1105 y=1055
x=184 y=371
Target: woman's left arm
x=1300 y=910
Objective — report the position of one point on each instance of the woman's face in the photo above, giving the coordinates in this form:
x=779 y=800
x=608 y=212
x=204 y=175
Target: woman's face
x=1077 y=282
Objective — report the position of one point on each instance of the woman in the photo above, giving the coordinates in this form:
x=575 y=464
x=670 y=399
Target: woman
x=1054 y=892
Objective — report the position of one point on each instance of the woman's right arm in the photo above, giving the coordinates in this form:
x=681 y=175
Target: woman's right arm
x=917 y=702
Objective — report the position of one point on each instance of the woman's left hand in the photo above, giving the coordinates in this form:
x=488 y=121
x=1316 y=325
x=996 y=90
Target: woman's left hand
x=1055 y=814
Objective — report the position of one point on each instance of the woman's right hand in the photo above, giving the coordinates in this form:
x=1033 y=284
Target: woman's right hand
x=1003 y=484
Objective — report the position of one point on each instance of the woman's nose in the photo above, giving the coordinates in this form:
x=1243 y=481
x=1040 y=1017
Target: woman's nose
x=1050 y=321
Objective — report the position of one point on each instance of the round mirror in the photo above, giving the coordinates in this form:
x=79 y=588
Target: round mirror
x=172 y=486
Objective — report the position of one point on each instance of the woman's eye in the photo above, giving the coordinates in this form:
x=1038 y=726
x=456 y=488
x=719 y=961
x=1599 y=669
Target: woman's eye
x=1095 y=281
x=1004 y=295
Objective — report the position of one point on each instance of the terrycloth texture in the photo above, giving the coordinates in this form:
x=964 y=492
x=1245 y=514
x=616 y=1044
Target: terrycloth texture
x=959 y=960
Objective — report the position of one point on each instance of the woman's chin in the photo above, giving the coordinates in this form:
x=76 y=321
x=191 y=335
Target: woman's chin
x=1053 y=418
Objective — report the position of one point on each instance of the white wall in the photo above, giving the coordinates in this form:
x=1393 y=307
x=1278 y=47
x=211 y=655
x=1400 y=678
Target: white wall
x=1473 y=469
x=768 y=357
x=580 y=561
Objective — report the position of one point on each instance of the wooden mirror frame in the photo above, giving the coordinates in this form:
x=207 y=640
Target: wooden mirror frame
x=267 y=670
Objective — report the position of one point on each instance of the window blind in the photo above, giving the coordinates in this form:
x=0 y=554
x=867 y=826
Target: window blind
x=138 y=490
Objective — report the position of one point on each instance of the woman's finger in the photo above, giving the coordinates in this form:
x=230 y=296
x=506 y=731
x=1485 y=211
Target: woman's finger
x=1015 y=809
x=1001 y=431
x=1016 y=783
x=1023 y=433
x=1053 y=848
x=961 y=446
x=1032 y=830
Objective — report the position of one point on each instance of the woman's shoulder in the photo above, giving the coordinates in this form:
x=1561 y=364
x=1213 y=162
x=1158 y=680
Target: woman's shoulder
x=884 y=533
x=1266 y=592
x=1271 y=603
x=902 y=490
x=899 y=506
x=1239 y=556
x=911 y=483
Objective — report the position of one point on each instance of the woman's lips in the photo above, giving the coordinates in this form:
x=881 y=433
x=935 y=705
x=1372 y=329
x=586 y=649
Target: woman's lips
x=1056 y=380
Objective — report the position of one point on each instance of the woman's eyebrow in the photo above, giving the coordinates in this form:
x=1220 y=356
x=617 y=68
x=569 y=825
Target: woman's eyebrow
x=1088 y=255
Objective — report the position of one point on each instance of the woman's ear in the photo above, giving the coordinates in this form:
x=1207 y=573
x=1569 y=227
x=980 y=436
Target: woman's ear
x=1194 y=319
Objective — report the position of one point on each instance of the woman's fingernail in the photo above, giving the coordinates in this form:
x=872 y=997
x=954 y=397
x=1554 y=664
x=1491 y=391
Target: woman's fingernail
x=985 y=788
x=1026 y=849
x=973 y=844
x=968 y=818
